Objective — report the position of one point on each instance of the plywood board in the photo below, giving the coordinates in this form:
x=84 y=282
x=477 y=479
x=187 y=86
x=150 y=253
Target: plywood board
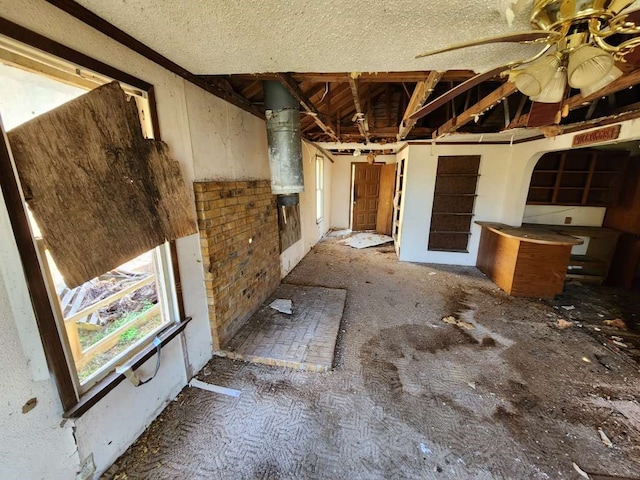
x=100 y=192
x=289 y=225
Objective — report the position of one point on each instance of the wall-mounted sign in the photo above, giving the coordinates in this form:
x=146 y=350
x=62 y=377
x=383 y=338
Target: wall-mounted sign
x=595 y=136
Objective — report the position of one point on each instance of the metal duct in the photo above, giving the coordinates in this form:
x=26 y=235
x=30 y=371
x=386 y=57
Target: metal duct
x=284 y=139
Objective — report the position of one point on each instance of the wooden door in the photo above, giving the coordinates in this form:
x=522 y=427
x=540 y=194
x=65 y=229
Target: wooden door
x=385 y=200
x=366 y=188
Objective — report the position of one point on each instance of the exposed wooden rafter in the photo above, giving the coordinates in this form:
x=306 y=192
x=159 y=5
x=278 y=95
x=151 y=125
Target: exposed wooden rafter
x=454 y=92
x=421 y=93
x=479 y=108
x=291 y=85
x=360 y=117
x=377 y=77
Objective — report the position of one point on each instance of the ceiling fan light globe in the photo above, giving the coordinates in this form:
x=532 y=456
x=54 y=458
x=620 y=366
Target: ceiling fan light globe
x=532 y=80
x=554 y=91
x=613 y=74
x=588 y=65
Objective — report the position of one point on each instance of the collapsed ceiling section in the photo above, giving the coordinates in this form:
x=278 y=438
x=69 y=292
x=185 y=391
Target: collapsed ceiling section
x=378 y=107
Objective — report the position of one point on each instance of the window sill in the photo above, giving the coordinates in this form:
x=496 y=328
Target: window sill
x=111 y=381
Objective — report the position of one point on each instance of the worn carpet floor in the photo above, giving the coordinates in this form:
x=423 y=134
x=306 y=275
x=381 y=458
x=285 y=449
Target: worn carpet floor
x=499 y=392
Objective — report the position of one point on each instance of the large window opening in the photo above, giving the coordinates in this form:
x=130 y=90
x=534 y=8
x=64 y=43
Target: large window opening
x=107 y=320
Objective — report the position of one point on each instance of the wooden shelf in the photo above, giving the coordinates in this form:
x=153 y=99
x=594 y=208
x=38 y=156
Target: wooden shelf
x=578 y=178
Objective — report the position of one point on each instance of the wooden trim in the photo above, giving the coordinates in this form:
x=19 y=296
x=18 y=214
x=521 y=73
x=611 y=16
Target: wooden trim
x=89 y=18
x=101 y=389
x=45 y=319
x=56 y=49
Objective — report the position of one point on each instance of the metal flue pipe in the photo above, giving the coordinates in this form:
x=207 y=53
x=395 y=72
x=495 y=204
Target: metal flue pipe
x=284 y=139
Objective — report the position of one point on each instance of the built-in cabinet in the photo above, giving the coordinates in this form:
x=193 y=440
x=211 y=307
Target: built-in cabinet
x=453 y=202
x=578 y=177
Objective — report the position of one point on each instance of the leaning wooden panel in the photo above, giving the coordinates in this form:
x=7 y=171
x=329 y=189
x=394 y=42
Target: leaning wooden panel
x=101 y=193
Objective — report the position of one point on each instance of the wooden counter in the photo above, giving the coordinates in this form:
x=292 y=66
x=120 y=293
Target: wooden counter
x=525 y=261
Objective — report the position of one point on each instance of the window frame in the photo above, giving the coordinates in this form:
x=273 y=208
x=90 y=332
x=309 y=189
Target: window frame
x=36 y=47
x=319 y=178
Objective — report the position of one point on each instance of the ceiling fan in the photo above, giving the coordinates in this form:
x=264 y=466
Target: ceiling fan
x=581 y=40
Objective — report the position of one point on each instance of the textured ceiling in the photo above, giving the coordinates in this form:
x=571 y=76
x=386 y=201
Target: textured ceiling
x=253 y=36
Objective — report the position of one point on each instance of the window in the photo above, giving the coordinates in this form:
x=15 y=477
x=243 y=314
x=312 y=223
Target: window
x=107 y=320
x=319 y=188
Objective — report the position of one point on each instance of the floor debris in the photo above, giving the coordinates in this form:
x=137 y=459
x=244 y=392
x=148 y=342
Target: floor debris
x=195 y=383
x=580 y=471
x=424 y=449
x=568 y=307
x=366 y=240
x=562 y=324
x=282 y=305
x=617 y=323
x=604 y=438
x=338 y=233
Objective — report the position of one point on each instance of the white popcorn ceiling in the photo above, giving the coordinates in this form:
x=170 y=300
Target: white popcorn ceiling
x=253 y=36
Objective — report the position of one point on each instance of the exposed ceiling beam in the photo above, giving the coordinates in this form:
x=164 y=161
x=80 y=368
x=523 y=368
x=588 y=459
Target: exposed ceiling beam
x=454 y=92
x=361 y=118
x=291 y=85
x=326 y=153
x=420 y=95
x=88 y=17
x=479 y=108
x=377 y=77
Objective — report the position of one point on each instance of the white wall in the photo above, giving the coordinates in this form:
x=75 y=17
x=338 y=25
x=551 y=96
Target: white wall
x=211 y=140
x=420 y=172
x=556 y=215
x=341 y=188
x=310 y=230
x=503 y=185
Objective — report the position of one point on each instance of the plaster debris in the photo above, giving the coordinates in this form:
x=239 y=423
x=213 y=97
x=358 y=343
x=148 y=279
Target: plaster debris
x=424 y=449
x=617 y=323
x=367 y=239
x=580 y=471
x=604 y=438
x=29 y=405
x=282 y=305
x=562 y=324
x=195 y=383
x=339 y=233
x=568 y=307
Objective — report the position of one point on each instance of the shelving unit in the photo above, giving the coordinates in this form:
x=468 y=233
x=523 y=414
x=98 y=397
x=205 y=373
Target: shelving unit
x=453 y=203
x=578 y=177
x=397 y=201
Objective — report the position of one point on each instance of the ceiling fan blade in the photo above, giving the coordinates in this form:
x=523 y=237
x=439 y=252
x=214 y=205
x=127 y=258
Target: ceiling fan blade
x=529 y=36
x=455 y=91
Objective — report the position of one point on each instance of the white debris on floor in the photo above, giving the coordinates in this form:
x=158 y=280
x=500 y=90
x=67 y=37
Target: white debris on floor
x=282 y=305
x=338 y=233
x=367 y=239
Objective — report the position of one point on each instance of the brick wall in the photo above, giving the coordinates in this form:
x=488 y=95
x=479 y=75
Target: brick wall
x=240 y=248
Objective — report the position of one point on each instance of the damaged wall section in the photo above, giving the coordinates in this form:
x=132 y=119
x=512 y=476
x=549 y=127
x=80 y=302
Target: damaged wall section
x=240 y=249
